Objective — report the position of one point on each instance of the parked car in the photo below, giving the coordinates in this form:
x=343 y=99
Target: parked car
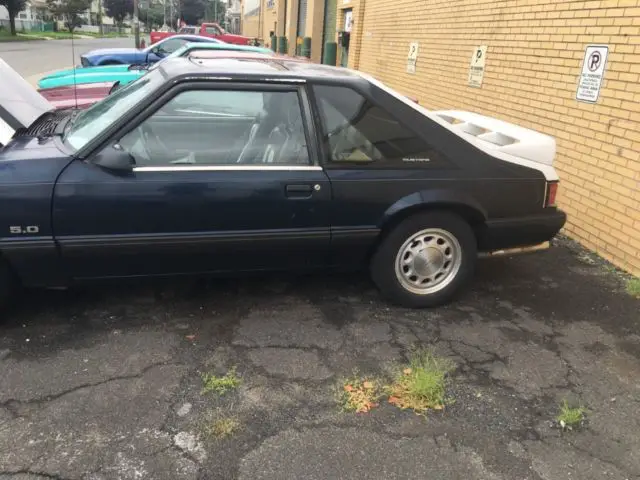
x=223 y=166
x=135 y=56
x=127 y=73
x=83 y=95
x=212 y=30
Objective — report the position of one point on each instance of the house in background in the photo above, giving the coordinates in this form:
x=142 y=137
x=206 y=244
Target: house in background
x=234 y=15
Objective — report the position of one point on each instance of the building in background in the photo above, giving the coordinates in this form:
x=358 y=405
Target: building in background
x=293 y=19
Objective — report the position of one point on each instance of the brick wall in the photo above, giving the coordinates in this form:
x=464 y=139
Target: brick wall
x=534 y=59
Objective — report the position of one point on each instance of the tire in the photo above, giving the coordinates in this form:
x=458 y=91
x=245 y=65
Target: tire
x=7 y=284
x=440 y=253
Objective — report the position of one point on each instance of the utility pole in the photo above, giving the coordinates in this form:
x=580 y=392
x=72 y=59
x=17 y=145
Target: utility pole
x=215 y=11
x=136 y=23
x=100 y=16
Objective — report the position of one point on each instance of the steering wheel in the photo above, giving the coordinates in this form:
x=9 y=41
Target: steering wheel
x=149 y=138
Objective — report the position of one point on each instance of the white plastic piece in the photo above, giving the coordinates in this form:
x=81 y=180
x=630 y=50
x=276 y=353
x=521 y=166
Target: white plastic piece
x=502 y=140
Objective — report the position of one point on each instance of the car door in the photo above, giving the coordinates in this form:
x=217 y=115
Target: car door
x=225 y=179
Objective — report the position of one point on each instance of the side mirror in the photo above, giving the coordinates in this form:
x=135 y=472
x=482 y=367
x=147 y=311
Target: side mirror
x=115 y=158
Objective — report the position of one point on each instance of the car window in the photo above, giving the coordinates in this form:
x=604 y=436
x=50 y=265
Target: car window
x=222 y=127
x=212 y=30
x=357 y=132
x=172 y=45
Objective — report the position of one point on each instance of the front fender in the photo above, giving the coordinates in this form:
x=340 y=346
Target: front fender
x=444 y=198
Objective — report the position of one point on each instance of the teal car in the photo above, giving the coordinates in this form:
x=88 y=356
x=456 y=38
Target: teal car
x=128 y=73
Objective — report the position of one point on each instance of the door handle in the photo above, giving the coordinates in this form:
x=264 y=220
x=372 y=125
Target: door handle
x=299 y=191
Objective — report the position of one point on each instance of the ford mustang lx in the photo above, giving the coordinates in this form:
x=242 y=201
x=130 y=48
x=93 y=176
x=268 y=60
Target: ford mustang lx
x=230 y=165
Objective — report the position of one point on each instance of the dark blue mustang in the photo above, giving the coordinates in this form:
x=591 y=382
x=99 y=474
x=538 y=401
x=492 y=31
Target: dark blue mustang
x=134 y=56
x=219 y=166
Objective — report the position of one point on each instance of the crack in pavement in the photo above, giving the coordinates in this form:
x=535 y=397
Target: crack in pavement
x=10 y=403
x=33 y=472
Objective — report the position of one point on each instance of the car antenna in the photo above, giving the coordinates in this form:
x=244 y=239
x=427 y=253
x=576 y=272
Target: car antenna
x=73 y=56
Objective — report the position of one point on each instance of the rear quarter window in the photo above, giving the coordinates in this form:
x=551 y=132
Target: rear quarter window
x=356 y=132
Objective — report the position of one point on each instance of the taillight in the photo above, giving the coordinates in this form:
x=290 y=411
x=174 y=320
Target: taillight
x=552 y=191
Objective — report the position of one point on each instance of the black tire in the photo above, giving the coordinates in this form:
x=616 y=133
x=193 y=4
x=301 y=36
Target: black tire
x=383 y=263
x=7 y=284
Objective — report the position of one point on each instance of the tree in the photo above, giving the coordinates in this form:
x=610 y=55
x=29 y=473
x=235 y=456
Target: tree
x=69 y=11
x=192 y=11
x=13 y=7
x=118 y=10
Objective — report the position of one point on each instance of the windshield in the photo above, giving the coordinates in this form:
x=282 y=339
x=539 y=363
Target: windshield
x=102 y=115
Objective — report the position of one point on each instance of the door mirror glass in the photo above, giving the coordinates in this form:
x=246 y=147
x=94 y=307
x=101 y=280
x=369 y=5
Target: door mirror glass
x=115 y=158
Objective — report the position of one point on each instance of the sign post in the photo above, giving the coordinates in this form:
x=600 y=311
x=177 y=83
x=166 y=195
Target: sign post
x=476 y=69
x=593 y=66
x=412 y=57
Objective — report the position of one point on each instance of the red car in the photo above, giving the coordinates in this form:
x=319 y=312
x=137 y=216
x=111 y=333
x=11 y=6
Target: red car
x=212 y=30
x=82 y=95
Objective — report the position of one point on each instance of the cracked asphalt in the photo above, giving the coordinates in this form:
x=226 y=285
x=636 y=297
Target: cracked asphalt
x=105 y=382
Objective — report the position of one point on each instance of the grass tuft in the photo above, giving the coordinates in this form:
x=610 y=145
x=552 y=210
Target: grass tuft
x=220 y=385
x=422 y=384
x=633 y=287
x=359 y=395
x=570 y=417
x=222 y=427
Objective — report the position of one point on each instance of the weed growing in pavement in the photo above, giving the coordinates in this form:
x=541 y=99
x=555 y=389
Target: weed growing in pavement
x=220 y=385
x=358 y=394
x=422 y=384
x=222 y=427
x=633 y=287
x=570 y=417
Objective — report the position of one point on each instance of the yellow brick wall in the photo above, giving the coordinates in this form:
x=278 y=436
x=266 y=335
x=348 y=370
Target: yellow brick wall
x=251 y=26
x=534 y=59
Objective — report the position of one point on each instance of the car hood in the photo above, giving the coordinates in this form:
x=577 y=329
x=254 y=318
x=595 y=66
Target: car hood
x=20 y=103
x=124 y=76
x=81 y=71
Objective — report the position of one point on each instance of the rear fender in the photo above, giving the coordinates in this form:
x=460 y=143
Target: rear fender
x=459 y=202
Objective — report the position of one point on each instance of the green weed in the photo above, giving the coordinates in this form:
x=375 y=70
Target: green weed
x=220 y=385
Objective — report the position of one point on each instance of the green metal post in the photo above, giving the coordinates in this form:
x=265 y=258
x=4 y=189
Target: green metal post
x=330 y=54
x=282 y=45
x=305 y=49
x=274 y=43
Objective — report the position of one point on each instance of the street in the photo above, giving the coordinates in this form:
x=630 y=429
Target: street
x=33 y=59
x=240 y=378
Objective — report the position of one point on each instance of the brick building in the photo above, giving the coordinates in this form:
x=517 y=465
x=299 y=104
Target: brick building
x=532 y=69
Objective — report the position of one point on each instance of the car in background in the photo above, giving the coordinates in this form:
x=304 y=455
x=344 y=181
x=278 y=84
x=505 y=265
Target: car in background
x=127 y=73
x=225 y=166
x=84 y=95
x=212 y=30
x=135 y=56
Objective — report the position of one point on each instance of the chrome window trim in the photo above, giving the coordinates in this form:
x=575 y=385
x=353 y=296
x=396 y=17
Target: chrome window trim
x=231 y=168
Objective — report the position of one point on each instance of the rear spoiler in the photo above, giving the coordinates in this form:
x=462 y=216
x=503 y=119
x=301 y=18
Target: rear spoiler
x=501 y=136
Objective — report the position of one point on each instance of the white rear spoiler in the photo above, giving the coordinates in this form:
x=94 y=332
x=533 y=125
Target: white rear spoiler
x=501 y=136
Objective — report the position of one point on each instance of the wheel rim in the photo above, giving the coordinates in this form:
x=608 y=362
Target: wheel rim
x=428 y=261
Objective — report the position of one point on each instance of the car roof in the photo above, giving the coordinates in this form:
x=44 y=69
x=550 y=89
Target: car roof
x=194 y=38
x=252 y=65
x=227 y=46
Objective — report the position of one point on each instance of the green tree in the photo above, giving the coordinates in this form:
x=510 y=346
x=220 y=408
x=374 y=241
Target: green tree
x=13 y=7
x=118 y=10
x=69 y=11
x=192 y=11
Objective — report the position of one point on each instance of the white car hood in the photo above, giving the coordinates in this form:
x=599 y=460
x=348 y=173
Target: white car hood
x=20 y=103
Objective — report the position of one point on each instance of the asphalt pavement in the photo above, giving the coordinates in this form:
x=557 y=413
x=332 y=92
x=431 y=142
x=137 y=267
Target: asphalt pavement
x=106 y=382
x=34 y=58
